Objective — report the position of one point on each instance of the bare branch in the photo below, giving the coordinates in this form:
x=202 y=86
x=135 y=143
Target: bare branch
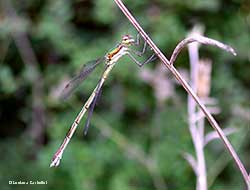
x=200 y=115
x=196 y=117
x=209 y=101
x=202 y=40
x=214 y=110
x=195 y=82
x=241 y=112
x=192 y=162
x=189 y=90
x=213 y=135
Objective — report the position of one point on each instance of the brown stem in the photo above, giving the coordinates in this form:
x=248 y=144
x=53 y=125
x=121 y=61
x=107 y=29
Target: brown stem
x=189 y=90
x=202 y=40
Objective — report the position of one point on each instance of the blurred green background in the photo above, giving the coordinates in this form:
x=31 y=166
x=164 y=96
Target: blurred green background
x=135 y=141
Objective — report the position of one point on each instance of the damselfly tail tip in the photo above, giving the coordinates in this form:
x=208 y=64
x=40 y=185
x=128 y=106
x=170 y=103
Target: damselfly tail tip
x=56 y=161
x=51 y=165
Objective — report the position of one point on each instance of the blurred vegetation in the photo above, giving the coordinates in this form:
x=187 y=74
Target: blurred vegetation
x=128 y=126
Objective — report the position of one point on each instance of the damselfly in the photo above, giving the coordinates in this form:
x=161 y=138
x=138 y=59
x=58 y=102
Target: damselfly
x=111 y=58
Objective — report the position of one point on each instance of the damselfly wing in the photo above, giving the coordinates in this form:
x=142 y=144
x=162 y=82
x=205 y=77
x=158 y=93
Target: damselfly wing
x=91 y=108
x=78 y=79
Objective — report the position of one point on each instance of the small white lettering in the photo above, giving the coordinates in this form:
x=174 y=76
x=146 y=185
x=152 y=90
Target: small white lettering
x=12 y=182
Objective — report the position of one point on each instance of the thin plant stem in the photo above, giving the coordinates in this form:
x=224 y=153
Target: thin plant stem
x=191 y=161
x=222 y=161
x=213 y=135
x=196 y=128
x=202 y=40
x=189 y=90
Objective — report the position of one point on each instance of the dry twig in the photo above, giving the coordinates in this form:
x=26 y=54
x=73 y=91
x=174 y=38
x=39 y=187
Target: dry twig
x=189 y=90
x=197 y=128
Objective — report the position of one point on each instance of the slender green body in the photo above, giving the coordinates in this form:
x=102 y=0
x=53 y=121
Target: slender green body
x=111 y=59
x=58 y=155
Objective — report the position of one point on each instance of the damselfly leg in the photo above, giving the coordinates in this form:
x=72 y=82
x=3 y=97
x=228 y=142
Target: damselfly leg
x=137 y=43
x=131 y=51
x=152 y=58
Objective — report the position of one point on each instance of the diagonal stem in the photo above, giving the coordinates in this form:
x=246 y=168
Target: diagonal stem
x=189 y=90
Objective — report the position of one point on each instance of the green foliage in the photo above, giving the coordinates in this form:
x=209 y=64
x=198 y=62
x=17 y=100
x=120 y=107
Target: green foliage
x=65 y=35
x=103 y=11
x=7 y=82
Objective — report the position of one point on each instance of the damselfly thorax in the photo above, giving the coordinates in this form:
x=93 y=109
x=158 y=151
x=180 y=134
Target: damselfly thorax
x=116 y=54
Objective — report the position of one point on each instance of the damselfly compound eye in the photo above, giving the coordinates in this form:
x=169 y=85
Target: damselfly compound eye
x=127 y=39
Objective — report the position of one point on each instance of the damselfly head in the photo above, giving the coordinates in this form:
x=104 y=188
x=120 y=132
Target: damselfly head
x=127 y=40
